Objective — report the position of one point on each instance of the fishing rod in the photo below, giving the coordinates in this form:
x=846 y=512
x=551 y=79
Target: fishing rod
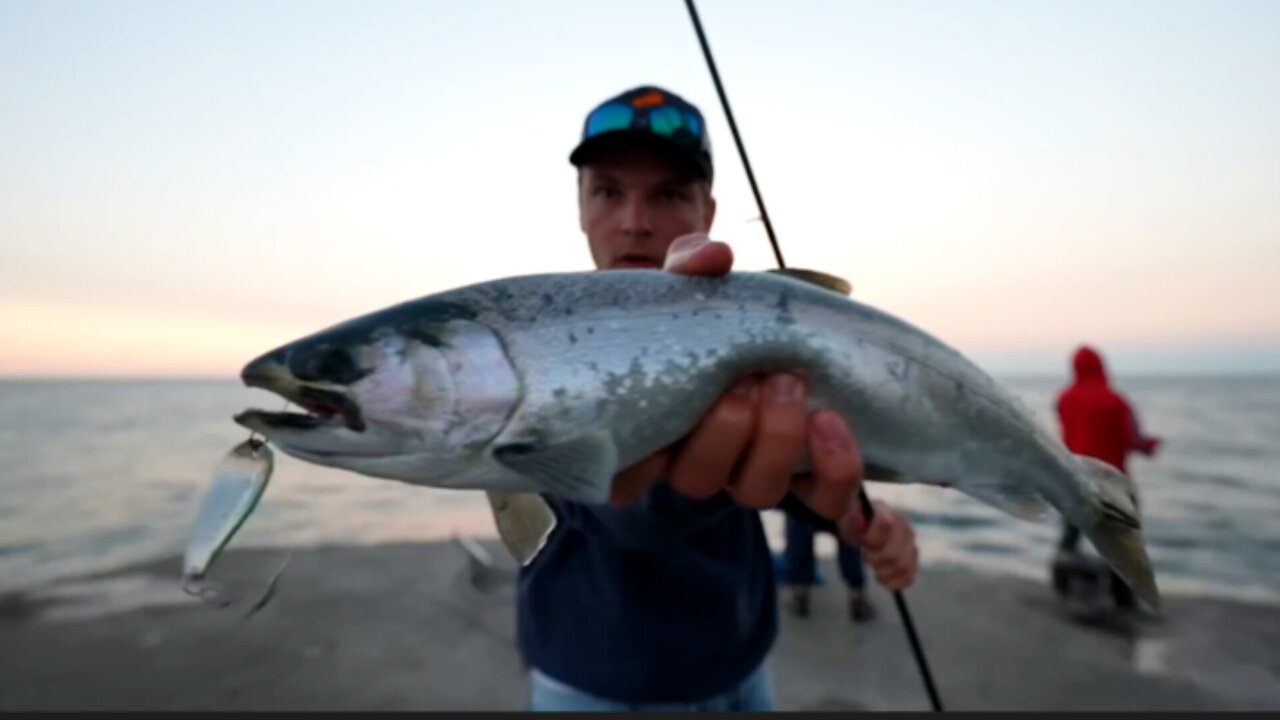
x=867 y=509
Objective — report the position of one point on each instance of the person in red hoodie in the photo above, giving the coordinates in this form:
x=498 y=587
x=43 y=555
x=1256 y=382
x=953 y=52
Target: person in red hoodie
x=1098 y=422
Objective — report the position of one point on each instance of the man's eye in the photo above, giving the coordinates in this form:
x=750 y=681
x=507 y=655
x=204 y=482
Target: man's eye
x=674 y=195
x=607 y=191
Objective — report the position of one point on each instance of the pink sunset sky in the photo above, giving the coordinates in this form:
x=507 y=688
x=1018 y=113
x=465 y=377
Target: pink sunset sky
x=184 y=185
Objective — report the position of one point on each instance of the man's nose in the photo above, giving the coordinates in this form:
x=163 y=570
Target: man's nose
x=635 y=217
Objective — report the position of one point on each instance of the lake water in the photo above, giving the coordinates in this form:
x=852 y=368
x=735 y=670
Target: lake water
x=102 y=474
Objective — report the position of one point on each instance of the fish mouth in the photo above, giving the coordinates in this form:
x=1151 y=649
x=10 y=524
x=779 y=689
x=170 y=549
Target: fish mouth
x=325 y=407
x=336 y=413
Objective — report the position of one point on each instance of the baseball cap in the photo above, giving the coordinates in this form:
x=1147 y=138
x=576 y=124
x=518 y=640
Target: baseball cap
x=651 y=116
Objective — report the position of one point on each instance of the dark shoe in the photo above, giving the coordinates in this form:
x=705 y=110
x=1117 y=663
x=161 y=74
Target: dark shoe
x=860 y=610
x=798 y=604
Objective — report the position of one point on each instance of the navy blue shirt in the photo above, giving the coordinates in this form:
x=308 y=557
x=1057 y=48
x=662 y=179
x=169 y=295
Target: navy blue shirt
x=666 y=600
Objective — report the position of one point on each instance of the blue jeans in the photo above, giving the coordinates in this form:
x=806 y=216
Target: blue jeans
x=801 y=564
x=754 y=694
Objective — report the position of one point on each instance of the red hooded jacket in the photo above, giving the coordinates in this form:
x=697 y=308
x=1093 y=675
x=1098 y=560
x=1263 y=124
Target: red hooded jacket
x=1096 y=421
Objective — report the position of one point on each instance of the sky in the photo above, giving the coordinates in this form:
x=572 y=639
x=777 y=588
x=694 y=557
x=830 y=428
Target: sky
x=185 y=185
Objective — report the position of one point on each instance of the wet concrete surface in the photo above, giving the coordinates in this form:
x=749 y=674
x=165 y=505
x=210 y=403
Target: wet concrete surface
x=424 y=627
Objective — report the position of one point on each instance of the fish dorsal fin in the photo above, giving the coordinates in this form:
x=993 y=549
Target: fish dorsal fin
x=578 y=468
x=814 y=277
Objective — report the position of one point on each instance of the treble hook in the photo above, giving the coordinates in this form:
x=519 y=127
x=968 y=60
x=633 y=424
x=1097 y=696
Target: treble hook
x=211 y=593
x=206 y=591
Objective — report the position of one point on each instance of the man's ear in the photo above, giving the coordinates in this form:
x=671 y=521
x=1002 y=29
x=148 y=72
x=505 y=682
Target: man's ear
x=582 y=216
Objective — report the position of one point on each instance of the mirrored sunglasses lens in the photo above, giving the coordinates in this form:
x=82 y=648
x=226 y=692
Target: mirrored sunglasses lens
x=665 y=120
x=609 y=118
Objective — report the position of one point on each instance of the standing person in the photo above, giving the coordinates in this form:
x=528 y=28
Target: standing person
x=1098 y=422
x=801 y=571
x=664 y=598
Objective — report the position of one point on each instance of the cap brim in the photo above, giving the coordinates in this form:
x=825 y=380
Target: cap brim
x=593 y=147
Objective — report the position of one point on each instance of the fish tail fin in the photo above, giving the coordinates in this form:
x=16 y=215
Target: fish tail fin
x=1117 y=534
x=524 y=522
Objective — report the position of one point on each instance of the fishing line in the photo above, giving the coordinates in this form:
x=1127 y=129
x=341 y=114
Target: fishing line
x=867 y=509
x=270 y=590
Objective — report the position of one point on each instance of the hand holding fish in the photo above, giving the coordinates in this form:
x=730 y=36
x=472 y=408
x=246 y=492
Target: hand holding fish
x=749 y=441
x=888 y=544
x=758 y=428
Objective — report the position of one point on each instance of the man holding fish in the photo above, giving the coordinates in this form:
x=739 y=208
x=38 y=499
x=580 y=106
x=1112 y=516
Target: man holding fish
x=615 y=424
x=666 y=597
x=647 y=587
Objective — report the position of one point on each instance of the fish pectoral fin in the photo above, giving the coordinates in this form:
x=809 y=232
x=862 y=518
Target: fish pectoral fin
x=579 y=468
x=1023 y=503
x=524 y=521
x=814 y=277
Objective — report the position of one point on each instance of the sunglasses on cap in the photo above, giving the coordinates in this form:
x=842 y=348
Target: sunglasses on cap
x=652 y=112
x=664 y=120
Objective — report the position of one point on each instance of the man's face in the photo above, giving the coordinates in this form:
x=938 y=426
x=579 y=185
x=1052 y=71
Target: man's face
x=633 y=203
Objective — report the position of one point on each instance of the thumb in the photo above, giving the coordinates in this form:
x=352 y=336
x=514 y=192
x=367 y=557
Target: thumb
x=696 y=254
x=683 y=247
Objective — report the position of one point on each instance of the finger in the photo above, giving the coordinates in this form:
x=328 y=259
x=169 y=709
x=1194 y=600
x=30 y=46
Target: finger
x=877 y=532
x=890 y=565
x=852 y=526
x=805 y=487
x=836 y=463
x=702 y=467
x=697 y=255
x=897 y=581
x=901 y=533
x=901 y=577
x=777 y=444
x=896 y=550
x=632 y=483
x=885 y=563
x=899 y=550
x=685 y=245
